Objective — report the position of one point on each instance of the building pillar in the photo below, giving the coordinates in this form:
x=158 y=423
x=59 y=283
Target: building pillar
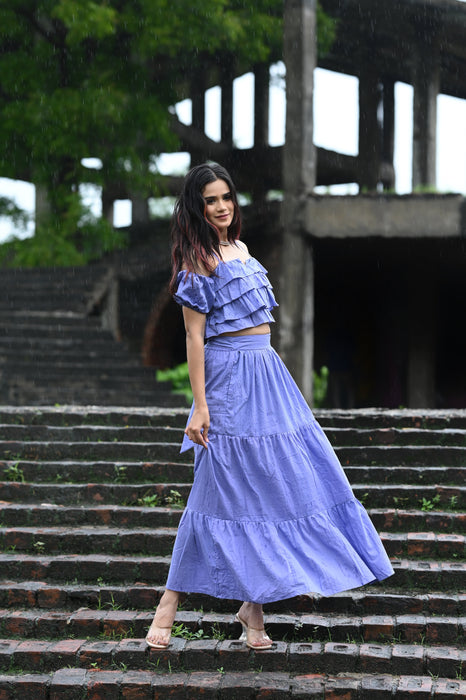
x=261 y=125
x=426 y=83
x=299 y=179
x=388 y=141
x=370 y=137
x=198 y=89
x=422 y=343
x=108 y=206
x=42 y=206
x=226 y=119
x=139 y=210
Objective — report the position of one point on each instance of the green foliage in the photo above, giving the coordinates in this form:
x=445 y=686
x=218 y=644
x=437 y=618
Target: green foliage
x=428 y=504
x=149 y=500
x=320 y=386
x=98 y=78
x=179 y=378
x=14 y=473
x=75 y=238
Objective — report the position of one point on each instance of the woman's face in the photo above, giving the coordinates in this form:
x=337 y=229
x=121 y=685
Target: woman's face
x=220 y=208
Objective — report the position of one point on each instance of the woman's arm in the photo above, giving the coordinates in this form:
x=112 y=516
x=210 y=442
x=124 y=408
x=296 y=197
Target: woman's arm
x=198 y=426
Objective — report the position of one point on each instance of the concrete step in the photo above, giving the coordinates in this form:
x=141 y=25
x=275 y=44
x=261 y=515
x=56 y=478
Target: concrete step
x=109 y=568
x=69 y=683
x=159 y=540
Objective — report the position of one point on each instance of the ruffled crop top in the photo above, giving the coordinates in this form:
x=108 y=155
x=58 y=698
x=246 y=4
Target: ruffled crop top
x=236 y=295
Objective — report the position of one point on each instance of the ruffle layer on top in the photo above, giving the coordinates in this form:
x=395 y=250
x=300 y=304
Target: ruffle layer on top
x=237 y=295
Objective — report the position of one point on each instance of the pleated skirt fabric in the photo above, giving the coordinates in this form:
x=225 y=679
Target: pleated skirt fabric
x=271 y=514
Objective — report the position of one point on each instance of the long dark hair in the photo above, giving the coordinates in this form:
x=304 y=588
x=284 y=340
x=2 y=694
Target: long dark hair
x=194 y=238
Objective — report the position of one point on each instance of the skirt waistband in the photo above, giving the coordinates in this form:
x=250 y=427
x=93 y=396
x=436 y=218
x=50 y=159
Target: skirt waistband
x=239 y=342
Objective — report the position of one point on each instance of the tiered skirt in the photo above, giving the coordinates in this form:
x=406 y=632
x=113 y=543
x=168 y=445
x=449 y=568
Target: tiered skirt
x=271 y=514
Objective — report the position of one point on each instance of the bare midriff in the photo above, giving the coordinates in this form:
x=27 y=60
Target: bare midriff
x=263 y=329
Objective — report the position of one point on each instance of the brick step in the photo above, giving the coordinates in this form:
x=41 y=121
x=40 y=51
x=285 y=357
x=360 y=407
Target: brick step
x=110 y=622
x=159 y=541
x=67 y=351
x=434 y=456
x=144 y=451
x=406 y=474
x=85 y=540
x=144 y=433
x=164 y=471
x=413 y=455
x=71 y=683
x=34 y=515
x=13 y=515
x=109 y=568
x=103 y=341
x=417 y=520
x=374 y=496
x=92 y=433
x=208 y=655
x=16 y=317
x=366 y=418
x=79 y=396
x=65 y=371
x=352 y=437
x=80 y=332
x=96 y=472
x=363 y=602
x=77 y=494
x=363 y=418
x=95 y=415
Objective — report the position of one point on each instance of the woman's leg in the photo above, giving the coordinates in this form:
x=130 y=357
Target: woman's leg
x=160 y=629
x=252 y=615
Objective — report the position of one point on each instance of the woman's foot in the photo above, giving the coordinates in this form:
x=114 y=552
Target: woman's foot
x=158 y=636
x=251 y=618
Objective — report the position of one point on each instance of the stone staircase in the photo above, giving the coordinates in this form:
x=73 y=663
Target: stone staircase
x=90 y=501
x=52 y=352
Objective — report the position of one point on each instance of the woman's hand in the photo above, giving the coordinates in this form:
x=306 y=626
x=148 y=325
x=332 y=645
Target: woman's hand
x=198 y=426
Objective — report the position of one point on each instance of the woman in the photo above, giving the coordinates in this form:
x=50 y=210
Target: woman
x=271 y=514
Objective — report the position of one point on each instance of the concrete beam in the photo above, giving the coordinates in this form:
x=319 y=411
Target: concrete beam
x=387 y=216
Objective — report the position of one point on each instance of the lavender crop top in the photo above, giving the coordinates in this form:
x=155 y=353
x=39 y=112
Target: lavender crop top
x=236 y=295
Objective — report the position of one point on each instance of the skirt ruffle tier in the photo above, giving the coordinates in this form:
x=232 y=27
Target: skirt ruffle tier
x=271 y=514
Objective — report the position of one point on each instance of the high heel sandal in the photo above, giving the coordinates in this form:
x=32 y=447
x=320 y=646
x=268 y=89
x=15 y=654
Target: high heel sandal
x=158 y=646
x=244 y=636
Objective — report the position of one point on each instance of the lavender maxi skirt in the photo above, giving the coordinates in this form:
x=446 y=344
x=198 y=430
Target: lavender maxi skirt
x=271 y=514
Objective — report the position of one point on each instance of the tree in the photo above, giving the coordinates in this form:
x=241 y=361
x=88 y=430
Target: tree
x=82 y=78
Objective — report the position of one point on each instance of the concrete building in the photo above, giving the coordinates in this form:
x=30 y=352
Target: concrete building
x=373 y=286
